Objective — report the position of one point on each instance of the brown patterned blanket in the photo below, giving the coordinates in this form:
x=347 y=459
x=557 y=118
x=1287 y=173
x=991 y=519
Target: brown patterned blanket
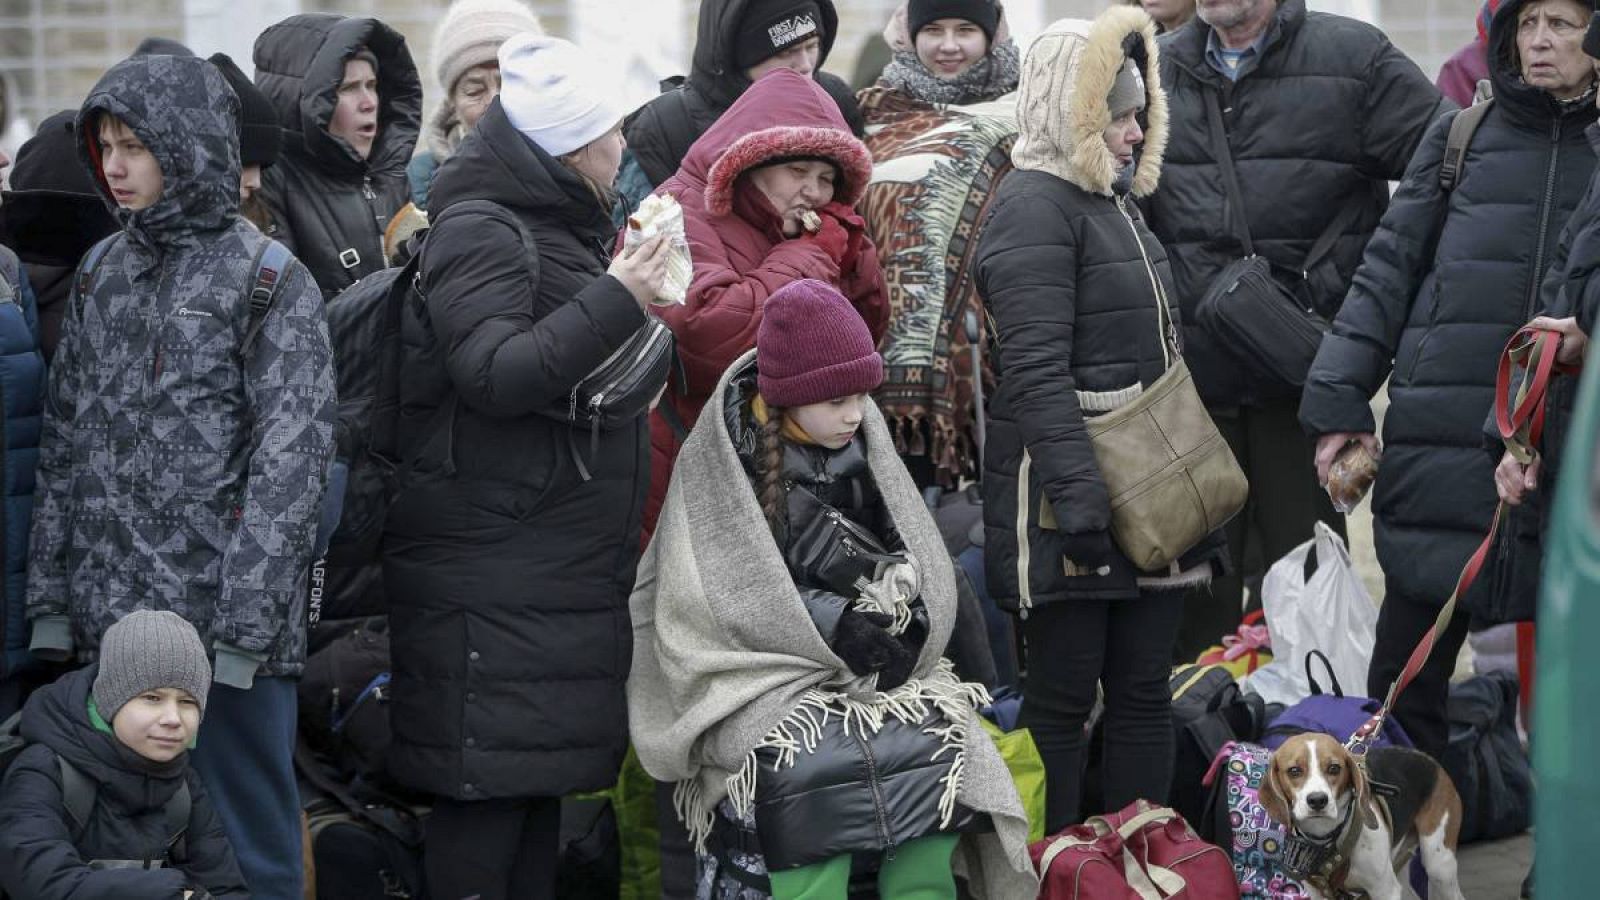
x=935 y=170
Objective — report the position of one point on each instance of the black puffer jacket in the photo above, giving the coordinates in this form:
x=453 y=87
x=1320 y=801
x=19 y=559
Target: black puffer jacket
x=51 y=217
x=1330 y=111
x=40 y=860
x=1074 y=282
x=507 y=574
x=855 y=793
x=1444 y=283
x=330 y=206
x=819 y=482
x=1570 y=288
x=660 y=132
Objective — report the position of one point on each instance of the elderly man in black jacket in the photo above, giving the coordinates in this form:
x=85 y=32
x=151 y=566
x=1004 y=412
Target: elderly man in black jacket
x=1319 y=111
x=350 y=102
x=1446 y=280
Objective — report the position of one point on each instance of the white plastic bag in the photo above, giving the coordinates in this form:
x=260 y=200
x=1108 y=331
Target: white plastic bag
x=1331 y=612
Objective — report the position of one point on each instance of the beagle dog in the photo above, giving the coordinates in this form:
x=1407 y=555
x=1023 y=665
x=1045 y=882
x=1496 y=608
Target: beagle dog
x=1343 y=837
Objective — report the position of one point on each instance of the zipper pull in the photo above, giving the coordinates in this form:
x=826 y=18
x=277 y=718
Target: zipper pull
x=572 y=406
x=366 y=188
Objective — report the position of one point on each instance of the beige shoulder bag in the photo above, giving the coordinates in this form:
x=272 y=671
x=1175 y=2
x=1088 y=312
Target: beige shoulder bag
x=1172 y=478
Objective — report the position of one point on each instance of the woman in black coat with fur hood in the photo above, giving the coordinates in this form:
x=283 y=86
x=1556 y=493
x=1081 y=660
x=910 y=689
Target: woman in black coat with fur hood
x=1078 y=290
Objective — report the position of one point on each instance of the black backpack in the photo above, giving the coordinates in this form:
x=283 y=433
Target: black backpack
x=79 y=793
x=1485 y=758
x=364 y=329
x=364 y=324
x=344 y=702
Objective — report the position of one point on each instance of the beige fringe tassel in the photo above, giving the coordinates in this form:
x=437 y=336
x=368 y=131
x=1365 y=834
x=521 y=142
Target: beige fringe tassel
x=802 y=730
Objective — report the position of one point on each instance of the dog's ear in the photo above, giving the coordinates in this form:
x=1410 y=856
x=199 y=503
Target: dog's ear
x=1362 y=789
x=1274 y=793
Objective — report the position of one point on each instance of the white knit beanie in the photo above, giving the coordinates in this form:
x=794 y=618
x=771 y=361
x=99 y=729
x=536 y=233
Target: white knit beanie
x=471 y=32
x=558 y=96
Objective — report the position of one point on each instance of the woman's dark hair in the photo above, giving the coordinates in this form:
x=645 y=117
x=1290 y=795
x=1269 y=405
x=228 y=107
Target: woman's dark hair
x=771 y=493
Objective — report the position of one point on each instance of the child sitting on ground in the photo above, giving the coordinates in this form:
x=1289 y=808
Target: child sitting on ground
x=100 y=802
x=790 y=619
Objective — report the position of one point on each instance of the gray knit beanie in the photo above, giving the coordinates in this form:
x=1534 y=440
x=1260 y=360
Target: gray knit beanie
x=145 y=650
x=1128 y=91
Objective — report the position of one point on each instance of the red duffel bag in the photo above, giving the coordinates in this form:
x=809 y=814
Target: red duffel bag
x=1145 y=852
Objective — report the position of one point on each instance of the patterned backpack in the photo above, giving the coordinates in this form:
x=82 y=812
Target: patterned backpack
x=1236 y=821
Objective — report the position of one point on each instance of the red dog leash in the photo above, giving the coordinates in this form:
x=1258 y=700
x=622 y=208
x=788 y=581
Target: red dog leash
x=1520 y=420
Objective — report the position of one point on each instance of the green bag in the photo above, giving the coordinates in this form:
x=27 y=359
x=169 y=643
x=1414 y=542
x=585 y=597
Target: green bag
x=634 y=799
x=1027 y=771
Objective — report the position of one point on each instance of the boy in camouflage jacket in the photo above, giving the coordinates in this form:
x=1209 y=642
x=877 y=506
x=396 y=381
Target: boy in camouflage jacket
x=180 y=469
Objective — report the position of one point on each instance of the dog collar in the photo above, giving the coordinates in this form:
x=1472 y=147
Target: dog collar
x=1322 y=861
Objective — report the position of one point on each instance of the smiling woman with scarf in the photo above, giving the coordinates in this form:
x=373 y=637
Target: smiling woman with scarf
x=950 y=51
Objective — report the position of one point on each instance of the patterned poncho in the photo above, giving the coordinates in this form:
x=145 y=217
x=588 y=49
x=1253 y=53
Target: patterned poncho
x=934 y=172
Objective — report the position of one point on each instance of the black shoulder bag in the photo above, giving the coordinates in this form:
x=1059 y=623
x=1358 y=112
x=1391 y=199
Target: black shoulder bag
x=1250 y=311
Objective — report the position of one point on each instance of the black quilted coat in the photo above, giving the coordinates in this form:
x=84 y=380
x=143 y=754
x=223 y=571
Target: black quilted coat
x=330 y=206
x=1331 y=110
x=507 y=574
x=1444 y=283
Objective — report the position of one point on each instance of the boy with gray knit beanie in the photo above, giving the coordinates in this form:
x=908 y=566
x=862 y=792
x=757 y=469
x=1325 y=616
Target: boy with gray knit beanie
x=100 y=801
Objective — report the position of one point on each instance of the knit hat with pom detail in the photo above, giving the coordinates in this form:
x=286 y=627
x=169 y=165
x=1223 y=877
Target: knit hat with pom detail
x=813 y=346
x=471 y=32
x=149 y=649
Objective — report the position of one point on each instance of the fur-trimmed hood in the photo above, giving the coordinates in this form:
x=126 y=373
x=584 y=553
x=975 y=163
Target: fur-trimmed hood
x=783 y=114
x=1062 y=114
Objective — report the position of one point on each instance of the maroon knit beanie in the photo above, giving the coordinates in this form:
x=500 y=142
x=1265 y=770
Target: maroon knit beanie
x=813 y=346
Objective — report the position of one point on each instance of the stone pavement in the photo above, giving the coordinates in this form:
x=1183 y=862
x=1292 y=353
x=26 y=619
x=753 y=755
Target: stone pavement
x=1493 y=870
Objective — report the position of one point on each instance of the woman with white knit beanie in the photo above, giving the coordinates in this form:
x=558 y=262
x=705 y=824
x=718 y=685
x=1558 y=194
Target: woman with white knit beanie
x=463 y=60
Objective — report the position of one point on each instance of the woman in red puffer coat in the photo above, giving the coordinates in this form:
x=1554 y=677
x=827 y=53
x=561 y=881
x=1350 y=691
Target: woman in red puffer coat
x=781 y=150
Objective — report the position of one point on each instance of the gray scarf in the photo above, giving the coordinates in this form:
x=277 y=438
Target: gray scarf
x=726 y=659
x=993 y=76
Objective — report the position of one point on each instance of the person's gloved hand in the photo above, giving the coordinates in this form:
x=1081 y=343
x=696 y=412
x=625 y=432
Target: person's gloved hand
x=832 y=237
x=901 y=663
x=1088 y=550
x=864 y=643
x=854 y=226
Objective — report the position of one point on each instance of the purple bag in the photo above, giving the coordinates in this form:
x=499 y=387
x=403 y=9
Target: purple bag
x=1332 y=714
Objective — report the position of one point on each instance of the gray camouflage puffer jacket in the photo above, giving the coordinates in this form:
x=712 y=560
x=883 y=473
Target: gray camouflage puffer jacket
x=178 y=471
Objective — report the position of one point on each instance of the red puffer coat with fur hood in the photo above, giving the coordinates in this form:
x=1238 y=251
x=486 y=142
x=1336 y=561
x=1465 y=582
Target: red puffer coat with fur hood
x=740 y=253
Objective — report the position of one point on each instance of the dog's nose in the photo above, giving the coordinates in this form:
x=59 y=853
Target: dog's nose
x=1317 y=801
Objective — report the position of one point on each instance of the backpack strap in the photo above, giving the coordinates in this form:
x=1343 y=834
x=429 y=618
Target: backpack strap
x=1462 y=127
x=269 y=265
x=89 y=265
x=77 y=795
x=176 y=812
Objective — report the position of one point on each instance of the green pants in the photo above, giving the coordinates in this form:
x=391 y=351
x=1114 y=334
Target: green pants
x=920 y=870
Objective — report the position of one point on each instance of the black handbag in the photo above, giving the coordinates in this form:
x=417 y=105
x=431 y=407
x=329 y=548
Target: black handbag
x=1270 y=328
x=831 y=550
x=621 y=389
